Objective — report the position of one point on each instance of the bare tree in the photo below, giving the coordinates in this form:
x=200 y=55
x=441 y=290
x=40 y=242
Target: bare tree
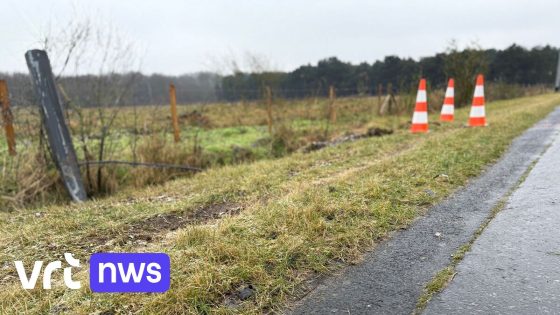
x=83 y=47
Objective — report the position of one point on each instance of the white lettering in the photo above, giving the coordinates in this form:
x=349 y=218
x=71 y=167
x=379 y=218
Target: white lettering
x=155 y=276
x=111 y=266
x=26 y=283
x=47 y=274
x=131 y=272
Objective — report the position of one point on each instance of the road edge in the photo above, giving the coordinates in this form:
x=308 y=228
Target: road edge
x=391 y=278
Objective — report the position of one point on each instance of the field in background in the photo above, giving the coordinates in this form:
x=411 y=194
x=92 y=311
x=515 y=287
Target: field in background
x=211 y=135
x=246 y=238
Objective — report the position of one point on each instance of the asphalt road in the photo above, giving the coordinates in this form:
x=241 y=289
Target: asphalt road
x=391 y=278
x=514 y=265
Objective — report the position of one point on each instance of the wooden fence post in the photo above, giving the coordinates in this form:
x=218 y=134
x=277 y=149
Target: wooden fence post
x=60 y=142
x=174 y=117
x=332 y=108
x=269 y=108
x=7 y=117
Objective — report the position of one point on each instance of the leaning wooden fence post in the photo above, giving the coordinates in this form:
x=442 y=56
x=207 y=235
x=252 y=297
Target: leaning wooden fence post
x=269 y=109
x=7 y=117
x=332 y=108
x=60 y=142
x=174 y=117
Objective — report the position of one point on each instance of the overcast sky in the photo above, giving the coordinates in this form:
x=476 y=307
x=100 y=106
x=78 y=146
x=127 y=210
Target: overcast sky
x=181 y=36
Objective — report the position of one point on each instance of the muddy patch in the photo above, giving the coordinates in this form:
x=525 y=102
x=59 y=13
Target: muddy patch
x=145 y=231
x=173 y=221
x=372 y=132
x=233 y=300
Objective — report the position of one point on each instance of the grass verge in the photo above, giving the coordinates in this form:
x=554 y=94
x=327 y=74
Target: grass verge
x=299 y=214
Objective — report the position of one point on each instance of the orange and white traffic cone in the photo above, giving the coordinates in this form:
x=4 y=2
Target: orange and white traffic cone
x=420 y=116
x=448 y=108
x=478 y=114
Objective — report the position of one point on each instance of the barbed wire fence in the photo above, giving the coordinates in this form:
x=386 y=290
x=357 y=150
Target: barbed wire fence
x=153 y=118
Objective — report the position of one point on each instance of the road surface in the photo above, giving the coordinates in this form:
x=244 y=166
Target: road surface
x=391 y=278
x=514 y=265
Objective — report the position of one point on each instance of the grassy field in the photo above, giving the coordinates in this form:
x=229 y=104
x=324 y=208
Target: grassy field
x=264 y=228
x=212 y=135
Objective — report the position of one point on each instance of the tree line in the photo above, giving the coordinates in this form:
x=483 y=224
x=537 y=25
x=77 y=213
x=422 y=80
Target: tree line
x=513 y=65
